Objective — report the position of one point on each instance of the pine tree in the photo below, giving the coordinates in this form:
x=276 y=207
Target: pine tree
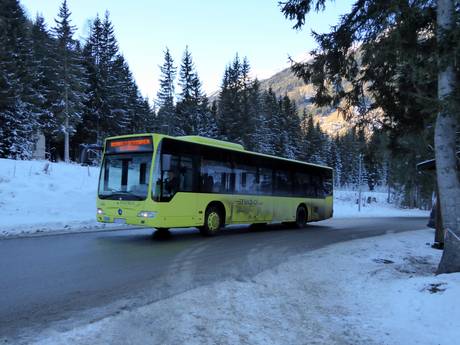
x=291 y=130
x=189 y=108
x=229 y=108
x=44 y=80
x=71 y=78
x=405 y=66
x=165 y=96
x=261 y=132
x=310 y=145
x=207 y=124
x=18 y=117
x=248 y=100
x=105 y=106
x=270 y=111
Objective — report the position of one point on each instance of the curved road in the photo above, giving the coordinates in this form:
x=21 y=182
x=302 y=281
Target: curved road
x=60 y=280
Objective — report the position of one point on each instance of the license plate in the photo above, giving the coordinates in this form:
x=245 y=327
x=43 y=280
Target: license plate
x=120 y=220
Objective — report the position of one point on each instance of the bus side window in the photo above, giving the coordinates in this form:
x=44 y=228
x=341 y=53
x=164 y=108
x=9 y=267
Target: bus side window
x=301 y=181
x=207 y=183
x=186 y=174
x=215 y=177
x=266 y=181
x=282 y=183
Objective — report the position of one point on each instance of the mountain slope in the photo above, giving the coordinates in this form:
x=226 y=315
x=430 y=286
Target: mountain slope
x=286 y=83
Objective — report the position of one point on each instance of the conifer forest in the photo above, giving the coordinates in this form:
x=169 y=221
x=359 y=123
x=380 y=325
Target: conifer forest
x=81 y=91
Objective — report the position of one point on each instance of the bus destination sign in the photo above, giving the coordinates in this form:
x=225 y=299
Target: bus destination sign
x=142 y=144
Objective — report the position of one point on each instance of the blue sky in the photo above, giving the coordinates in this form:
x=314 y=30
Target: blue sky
x=213 y=30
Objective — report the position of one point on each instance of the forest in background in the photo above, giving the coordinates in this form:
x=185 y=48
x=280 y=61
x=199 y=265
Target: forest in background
x=52 y=83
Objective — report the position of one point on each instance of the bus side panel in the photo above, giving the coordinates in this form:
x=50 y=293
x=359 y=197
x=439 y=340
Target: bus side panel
x=284 y=209
x=180 y=211
x=319 y=209
x=251 y=209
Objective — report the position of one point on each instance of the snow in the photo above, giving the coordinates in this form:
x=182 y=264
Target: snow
x=33 y=200
x=346 y=206
x=379 y=290
x=64 y=199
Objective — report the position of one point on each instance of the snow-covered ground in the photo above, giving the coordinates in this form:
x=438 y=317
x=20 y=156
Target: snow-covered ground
x=379 y=290
x=34 y=200
x=63 y=198
x=373 y=204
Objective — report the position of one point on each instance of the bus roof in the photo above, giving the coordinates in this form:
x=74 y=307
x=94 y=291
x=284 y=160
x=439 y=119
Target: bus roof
x=215 y=143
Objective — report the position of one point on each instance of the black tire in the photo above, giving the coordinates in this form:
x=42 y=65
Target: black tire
x=258 y=226
x=301 y=217
x=213 y=221
x=161 y=234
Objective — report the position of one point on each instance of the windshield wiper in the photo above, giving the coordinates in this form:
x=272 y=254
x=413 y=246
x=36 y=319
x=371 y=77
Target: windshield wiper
x=122 y=194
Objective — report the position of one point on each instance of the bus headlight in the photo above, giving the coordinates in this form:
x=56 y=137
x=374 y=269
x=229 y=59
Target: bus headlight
x=147 y=214
x=100 y=212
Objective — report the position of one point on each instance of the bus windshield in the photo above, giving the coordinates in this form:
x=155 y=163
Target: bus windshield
x=125 y=176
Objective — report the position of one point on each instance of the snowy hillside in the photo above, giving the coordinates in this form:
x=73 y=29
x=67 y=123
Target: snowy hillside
x=42 y=196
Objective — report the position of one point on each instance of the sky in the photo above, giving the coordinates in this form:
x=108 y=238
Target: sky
x=213 y=30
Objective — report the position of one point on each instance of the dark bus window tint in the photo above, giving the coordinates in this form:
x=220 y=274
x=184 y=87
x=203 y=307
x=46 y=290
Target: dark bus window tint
x=317 y=186
x=265 y=185
x=186 y=174
x=282 y=183
x=245 y=179
x=198 y=168
x=169 y=177
x=302 y=184
x=216 y=177
x=176 y=175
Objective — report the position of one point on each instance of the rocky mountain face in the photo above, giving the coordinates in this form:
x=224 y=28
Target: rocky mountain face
x=285 y=82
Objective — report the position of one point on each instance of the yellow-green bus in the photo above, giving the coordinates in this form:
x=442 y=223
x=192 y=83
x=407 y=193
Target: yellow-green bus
x=165 y=182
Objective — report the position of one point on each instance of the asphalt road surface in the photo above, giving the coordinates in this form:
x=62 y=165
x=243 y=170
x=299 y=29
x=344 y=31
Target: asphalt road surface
x=61 y=280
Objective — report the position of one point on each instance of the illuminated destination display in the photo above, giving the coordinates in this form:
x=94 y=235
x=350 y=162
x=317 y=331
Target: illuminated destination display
x=143 y=144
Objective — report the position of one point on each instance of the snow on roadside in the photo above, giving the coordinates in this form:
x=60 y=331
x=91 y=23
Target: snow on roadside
x=35 y=200
x=63 y=198
x=372 y=291
x=346 y=206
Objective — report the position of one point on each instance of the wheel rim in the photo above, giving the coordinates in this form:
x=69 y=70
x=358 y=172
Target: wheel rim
x=213 y=221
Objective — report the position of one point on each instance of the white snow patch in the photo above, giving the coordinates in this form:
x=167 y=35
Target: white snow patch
x=35 y=200
x=373 y=204
x=379 y=290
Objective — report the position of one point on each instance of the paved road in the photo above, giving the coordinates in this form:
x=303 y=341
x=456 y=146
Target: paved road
x=59 y=280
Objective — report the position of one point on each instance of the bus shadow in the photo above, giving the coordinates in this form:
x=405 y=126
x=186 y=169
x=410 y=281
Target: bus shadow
x=186 y=235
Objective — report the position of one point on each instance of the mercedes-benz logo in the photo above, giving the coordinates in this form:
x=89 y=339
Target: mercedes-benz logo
x=120 y=211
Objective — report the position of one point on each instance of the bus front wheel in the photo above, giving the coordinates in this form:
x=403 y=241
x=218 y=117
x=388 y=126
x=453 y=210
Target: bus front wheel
x=213 y=221
x=161 y=233
x=301 y=217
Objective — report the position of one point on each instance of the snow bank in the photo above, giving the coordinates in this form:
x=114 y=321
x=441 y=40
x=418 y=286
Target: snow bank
x=372 y=291
x=373 y=204
x=41 y=196
x=63 y=198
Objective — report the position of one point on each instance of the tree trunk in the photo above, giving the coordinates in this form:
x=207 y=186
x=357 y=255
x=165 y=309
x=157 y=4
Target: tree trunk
x=66 y=141
x=439 y=232
x=446 y=158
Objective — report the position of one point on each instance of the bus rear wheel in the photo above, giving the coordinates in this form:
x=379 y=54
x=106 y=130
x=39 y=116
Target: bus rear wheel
x=213 y=221
x=301 y=217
